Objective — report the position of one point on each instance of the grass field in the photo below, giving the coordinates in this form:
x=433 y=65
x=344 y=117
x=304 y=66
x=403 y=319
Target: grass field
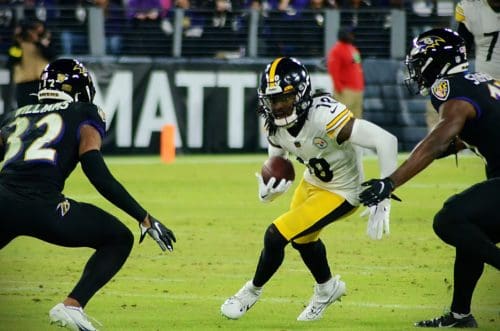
x=211 y=204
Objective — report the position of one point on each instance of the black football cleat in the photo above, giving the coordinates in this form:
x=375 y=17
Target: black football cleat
x=448 y=321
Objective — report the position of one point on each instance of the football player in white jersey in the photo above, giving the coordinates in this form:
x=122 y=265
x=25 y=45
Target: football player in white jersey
x=480 y=20
x=322 y=133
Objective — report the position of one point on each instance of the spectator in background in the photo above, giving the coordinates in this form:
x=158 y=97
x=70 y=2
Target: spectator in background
x=346 y=71
x=220 y=35
x=6 y=26
x=146 y=17
x=192 y=27
x=113 y=24
x=73 y=20
x=313 y=30
x=28 y=56
x=42 y=10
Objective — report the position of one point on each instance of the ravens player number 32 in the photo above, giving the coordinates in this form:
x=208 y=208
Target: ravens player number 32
x=40 y=145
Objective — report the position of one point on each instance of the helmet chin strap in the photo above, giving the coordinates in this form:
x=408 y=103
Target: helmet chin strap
x=286 y=122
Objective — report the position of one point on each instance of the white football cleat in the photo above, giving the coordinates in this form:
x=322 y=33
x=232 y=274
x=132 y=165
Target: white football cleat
x=237 y=305
x=324 y=295
x=70 y=317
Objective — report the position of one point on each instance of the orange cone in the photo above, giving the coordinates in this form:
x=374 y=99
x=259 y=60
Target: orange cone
x=167 y=143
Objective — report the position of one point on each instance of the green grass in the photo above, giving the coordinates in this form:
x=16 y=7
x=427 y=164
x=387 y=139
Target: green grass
x=211 y=204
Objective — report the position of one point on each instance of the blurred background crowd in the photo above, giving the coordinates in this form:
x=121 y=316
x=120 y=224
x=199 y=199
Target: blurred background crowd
x=214 y=28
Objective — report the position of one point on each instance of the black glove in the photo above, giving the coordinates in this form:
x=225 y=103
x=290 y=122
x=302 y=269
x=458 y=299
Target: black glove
x=377 y=190
x=159 y=232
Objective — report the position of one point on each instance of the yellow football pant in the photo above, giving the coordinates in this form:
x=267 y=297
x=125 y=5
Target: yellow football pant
x=311 y=209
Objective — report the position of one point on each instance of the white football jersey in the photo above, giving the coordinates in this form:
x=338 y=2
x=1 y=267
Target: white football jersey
x=484 y=24
x=331 y=166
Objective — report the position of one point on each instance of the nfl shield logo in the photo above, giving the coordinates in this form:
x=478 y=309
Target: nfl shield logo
x=297 y=144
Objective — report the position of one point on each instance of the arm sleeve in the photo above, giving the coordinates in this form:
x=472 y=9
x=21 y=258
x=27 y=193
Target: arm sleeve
x=467 y=35
x=99 y=175
x=369 y=135
x=273 y=150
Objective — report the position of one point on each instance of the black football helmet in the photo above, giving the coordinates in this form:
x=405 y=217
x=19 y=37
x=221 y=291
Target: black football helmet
x=67 y=80
x=434 y=54
x=284 y=92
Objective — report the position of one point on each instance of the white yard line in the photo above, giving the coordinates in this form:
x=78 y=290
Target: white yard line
x=218 y=299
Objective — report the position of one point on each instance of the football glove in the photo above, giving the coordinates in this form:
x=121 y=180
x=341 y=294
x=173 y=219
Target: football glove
x=377 y=191
x=159 y=232
x=378 y=219
x=267 y=192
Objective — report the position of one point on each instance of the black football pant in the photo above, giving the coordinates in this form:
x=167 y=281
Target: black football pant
x=83 y=225
x=470 y=221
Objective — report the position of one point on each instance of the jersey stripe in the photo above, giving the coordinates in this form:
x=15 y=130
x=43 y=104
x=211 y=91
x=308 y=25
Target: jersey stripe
x=459 y=13
x=272 y=72
x=333 y=131
x=337 y=118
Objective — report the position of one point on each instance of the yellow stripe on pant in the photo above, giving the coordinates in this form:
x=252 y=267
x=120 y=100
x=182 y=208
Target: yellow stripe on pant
x=310 y=205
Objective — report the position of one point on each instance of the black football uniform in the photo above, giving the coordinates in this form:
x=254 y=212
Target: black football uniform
x=483 y=92
x=469 y=220
x=42 y=145
x=40 y=150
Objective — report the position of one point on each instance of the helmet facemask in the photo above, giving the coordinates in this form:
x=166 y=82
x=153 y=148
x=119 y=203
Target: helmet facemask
x=415 y=81
x=284 y=92
x=281 y=107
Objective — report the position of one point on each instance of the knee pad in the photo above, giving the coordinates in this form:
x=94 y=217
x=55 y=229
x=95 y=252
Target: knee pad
x=273 y=239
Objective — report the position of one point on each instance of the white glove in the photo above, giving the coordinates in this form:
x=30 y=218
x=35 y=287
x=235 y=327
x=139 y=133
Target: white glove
x=267 y=192
x=378 y=220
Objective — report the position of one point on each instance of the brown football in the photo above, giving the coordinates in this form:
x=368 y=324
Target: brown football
x=279 y=167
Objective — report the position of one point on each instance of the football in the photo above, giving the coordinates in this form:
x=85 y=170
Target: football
x=279 y=167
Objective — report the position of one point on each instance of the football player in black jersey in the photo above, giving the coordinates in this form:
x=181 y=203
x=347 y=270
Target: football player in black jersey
x=469 y=115
x=40 y=145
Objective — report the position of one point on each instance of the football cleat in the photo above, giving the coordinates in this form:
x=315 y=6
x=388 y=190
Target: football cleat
x=70 y=317
x=237 y=305
x=323 y=296
x=448 y=321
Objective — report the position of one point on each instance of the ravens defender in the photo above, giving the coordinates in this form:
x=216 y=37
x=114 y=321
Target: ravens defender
x=323 y=134
x=469 y=116
x=40 y=145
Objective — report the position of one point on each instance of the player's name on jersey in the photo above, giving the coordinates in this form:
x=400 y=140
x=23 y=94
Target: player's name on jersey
x=42 y=108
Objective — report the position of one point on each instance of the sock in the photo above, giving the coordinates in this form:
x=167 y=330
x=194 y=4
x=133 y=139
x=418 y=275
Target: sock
x=324 y=286
x=255 y=288
x=460 y=316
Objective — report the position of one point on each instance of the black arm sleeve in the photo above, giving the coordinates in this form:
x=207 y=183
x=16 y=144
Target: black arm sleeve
x=467 y=35
x=99 y=175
